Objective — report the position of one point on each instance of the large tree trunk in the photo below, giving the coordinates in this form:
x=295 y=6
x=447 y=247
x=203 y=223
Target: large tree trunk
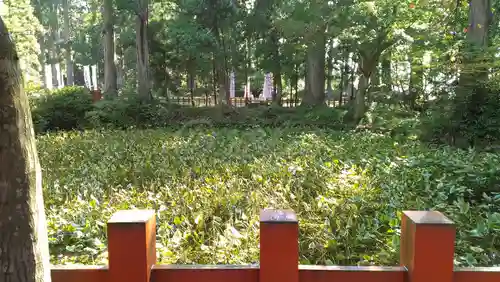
x=191 y=78
x=42 y=59
x=475 y=72
x=53 y=60
x=386 y=71
x=214 y=77
x=221 y=68
x=247 y=68
x=367 y=66
x=142 y=51
x=359 y=100
x=110 y=72
x=70 y=78
x=472 y=92
x=120 y=66
x=416 y=77
x=57 y=75
x=344 y=76
x=24 y=255
x=222 y=83
x=315 y=78
x=369 y=55
x=329 y=77
x=278 y=86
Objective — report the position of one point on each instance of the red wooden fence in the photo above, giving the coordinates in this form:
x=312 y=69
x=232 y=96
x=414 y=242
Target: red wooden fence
x=427 y=249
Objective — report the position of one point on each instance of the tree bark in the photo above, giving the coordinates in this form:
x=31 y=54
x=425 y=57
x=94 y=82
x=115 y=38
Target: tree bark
x=53 y=59
x=24 y=251
x=42 y=59
x=472 y=91
x=474 y=70
x=110 y=71
x=416 y=77
x=344 y=75
x=329 y=89
x=369 y=56
x=221 y=68
x=475 y=73
x=56 y=66
x=143 y=51
x=367 y=66
x=386 y=71
x=359 y=99
x=315 y=77
x=191 y=78
x=278 y=85
x=120 y=66
x=70 y=78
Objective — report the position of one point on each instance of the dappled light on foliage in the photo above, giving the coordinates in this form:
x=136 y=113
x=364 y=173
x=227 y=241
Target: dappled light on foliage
x=207 y=186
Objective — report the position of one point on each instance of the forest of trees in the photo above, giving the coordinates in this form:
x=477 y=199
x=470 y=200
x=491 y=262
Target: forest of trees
x=411 y=49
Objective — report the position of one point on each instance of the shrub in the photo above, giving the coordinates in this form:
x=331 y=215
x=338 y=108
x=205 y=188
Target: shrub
x=467 y=120
x=62 y=109
x=129 y=111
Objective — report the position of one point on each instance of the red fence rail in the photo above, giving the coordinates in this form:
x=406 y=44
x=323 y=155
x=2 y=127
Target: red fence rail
x=427 y=250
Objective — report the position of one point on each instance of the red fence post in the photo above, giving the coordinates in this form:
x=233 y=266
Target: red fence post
x=279 y=247
x=131 y=245
x=96 y=95
x=427 y=246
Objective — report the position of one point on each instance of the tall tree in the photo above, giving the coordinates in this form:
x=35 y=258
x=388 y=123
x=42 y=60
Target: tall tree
x=67 y=45
x=110 y=74
x=472 y=92
x=143 y=50
x=53 y=37
x=386 y=71
x=315 y=77
x=24 y=255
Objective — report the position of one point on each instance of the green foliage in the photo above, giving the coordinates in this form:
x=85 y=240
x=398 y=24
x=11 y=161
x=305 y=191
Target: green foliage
x=129 y=111
x=24 y=27
x=62 y=109
x=469 y=120
x=207 y=186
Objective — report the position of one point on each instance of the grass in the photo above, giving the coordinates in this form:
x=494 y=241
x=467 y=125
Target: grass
x=208 y=184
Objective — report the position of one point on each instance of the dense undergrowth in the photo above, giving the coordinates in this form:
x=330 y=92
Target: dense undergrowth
x=208 y=171
x=208 y=184
x=71 y=108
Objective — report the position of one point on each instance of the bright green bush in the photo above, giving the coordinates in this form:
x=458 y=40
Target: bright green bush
x=207 y=186
x=61 y=109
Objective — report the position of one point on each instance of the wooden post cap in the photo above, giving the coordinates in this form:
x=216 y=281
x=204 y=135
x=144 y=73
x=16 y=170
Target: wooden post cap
x=427 y=217
x=278 y=216
x=131 y=245
x=427 y=246
x=132 y=216
x=279 y=249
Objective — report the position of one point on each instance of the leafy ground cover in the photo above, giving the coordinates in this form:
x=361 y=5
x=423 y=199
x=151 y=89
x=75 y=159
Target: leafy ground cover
x=207 y=185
